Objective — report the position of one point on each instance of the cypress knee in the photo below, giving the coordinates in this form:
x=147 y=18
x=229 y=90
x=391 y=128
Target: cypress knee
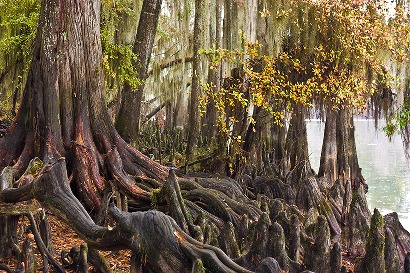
x=373 y=261
x=278 y=244
x=318 y=253
x=294 y=240
x=336 y=259
x=407 y=263
x=391 y=256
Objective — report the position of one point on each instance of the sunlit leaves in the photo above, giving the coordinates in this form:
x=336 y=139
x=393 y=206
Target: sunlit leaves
x=398 y=121
x=330 y=51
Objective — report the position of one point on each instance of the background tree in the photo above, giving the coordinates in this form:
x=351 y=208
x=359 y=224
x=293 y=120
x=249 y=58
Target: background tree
x=129 y=115
x=193 y=120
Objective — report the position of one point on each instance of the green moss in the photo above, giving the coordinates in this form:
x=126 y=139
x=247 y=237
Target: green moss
x=375 y=237
x=325 y=208
x=198 y=266
x=157 y=196
x=373 y=261
x=34 y=167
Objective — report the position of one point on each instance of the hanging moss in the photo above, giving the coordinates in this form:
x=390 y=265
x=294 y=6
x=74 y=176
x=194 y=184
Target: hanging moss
x=18 y=27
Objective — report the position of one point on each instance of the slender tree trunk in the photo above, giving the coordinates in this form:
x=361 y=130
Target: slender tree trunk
x=227 y=30
x=278 y=140
x=129 y=116
x=193 y=120
x=214 y=77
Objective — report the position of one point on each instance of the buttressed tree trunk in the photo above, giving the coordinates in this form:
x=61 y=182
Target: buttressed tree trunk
x=339 y=157
x=129 y=116
x=347 y=161
x=63 y=111
x=63 y=121
x=297 y=146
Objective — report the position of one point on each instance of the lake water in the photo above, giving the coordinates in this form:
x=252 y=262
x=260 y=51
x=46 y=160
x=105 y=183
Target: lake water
x=383 y=166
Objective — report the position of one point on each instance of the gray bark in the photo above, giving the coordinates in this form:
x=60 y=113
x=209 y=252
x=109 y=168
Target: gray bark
x=129 y=116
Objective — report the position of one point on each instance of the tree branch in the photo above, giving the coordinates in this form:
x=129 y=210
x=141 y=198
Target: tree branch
x=172 y=63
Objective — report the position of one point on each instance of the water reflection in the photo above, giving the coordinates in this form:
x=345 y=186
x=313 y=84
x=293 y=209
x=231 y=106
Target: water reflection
x=383 y=166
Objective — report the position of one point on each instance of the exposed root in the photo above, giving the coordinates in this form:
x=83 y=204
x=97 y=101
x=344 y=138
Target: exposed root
x=25 y=157
x=149 y=167
x=124 y=182
x=212 y=257
x=176 y=204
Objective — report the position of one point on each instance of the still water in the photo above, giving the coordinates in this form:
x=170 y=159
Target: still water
x=383 y=166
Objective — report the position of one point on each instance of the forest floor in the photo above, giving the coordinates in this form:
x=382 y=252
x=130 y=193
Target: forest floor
x=64 y=238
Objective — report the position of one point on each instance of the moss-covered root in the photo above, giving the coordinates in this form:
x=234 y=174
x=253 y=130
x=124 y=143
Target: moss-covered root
x=373 y=261
x=98 y=261
x=82 y=266
x=318 y=254
x=176 y=204
x=391 y=256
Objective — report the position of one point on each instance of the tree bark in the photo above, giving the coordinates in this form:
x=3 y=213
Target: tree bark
x=214 y=76
x=129 y=116
x=328 y=158
x=297 y=148
x=193 y=119
x=347 y=162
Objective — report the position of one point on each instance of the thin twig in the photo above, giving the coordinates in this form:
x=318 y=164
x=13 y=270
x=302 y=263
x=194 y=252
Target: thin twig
x=41 y=246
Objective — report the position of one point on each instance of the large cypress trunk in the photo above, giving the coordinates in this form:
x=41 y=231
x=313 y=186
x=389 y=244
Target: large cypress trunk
x=347 y=161
x=63 y=110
